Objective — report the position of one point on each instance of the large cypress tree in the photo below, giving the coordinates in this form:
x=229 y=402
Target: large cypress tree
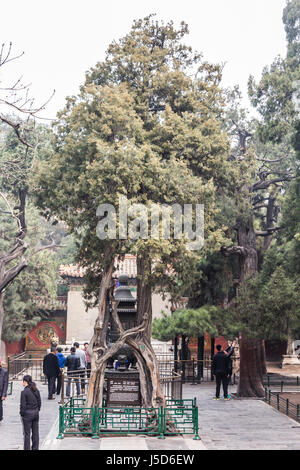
x=146 y=125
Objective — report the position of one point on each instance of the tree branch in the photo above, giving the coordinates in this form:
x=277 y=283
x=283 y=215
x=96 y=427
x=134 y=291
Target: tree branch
x=234 y=250
x=11 y=274
x=267 y=232
x=265 y=184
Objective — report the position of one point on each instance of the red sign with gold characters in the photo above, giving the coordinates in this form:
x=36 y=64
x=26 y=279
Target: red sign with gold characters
x=44 y=333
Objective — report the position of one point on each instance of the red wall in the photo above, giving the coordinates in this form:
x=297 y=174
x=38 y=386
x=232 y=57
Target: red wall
x=222 y=341
x=15 y=348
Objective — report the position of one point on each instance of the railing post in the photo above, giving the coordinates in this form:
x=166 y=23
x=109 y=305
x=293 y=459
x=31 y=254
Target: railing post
x=212 y=353
x=95 y=423
x=161 y=422
x=298 y=412
x=196 y=424
x=287 y=407
x=194 y=375
x=278 y=405
x=62 y=395
x=61 y=423
x=181 y=386
x=175 y=353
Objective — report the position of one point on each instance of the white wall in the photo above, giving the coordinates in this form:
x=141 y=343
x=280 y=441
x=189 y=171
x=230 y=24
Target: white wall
x=80 y=324
x=158 y=304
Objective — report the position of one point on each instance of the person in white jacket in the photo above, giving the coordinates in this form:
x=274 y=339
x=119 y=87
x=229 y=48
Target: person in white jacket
x=83 y=365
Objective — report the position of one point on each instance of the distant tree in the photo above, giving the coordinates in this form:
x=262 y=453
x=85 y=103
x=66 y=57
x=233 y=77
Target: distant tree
x=16 y=161
x=267 y=145
x=34 y=288
x=189 y=322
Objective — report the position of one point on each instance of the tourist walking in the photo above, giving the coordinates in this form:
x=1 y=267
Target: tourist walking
x=73 y=367
x=3 y=387
x=83 y=365
x=30 y=406
x=221 y=370
x=88 y=360
x=52 y=370
x=61 y=361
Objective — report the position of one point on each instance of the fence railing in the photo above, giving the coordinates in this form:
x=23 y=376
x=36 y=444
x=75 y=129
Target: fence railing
x=282 y=404
x=191 y=370
x=19 y=365
x=73 y=385
x=22 y=364
x=172 y=386
x=277 y=382
x=177 y=417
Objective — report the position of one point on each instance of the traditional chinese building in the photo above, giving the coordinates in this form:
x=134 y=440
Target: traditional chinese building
x=80 y=322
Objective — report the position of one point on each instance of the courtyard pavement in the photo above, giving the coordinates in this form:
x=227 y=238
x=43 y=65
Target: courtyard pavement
x=223 y=425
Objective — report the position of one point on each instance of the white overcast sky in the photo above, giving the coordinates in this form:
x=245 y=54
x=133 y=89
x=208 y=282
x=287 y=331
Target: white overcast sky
x=62 y=39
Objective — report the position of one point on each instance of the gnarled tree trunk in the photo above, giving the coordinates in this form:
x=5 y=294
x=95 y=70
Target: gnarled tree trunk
x=252 y=355
x=138 y=338
x=148 y=364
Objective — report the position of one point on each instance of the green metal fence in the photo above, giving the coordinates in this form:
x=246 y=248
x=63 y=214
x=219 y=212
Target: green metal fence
x=128 y=420
x=181 y=417
x=176 y=418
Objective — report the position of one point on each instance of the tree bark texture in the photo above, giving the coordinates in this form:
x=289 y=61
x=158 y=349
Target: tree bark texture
x=252 y=355
x=138 y=338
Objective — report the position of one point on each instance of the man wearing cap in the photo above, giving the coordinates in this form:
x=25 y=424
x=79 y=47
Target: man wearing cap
x=3 y=387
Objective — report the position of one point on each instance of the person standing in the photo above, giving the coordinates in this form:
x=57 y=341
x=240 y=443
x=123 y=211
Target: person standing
x=83 y=365
x=51 y=370
x=3 y=387
x=220 y=368
x=61 y=361
x=73 y=366
x=229 y=351
x=30 y=406
x=88 y=360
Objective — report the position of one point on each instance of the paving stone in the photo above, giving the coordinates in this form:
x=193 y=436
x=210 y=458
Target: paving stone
x=236 y=424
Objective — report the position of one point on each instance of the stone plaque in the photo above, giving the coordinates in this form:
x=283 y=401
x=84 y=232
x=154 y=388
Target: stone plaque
x=123 y=390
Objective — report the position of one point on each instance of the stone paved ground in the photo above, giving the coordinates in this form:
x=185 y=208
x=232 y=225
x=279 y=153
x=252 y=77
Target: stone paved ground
x=236 y=424
x=11 y=430
x=242 y=424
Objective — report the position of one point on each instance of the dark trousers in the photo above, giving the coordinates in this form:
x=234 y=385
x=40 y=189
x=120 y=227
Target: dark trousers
x=68 y=391
x=58 y=384
x=221 y=378
x=1 y=408
x=88 y=370
x=51 y=385
x=31 y=426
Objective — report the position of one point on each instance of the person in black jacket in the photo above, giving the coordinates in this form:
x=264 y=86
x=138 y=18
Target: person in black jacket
x=30 y=406
x=221 y=370
x=52 y=370
x=73 y=367
x=3 y=387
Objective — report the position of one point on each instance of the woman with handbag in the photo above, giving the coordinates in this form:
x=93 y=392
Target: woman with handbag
x=29 y=410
